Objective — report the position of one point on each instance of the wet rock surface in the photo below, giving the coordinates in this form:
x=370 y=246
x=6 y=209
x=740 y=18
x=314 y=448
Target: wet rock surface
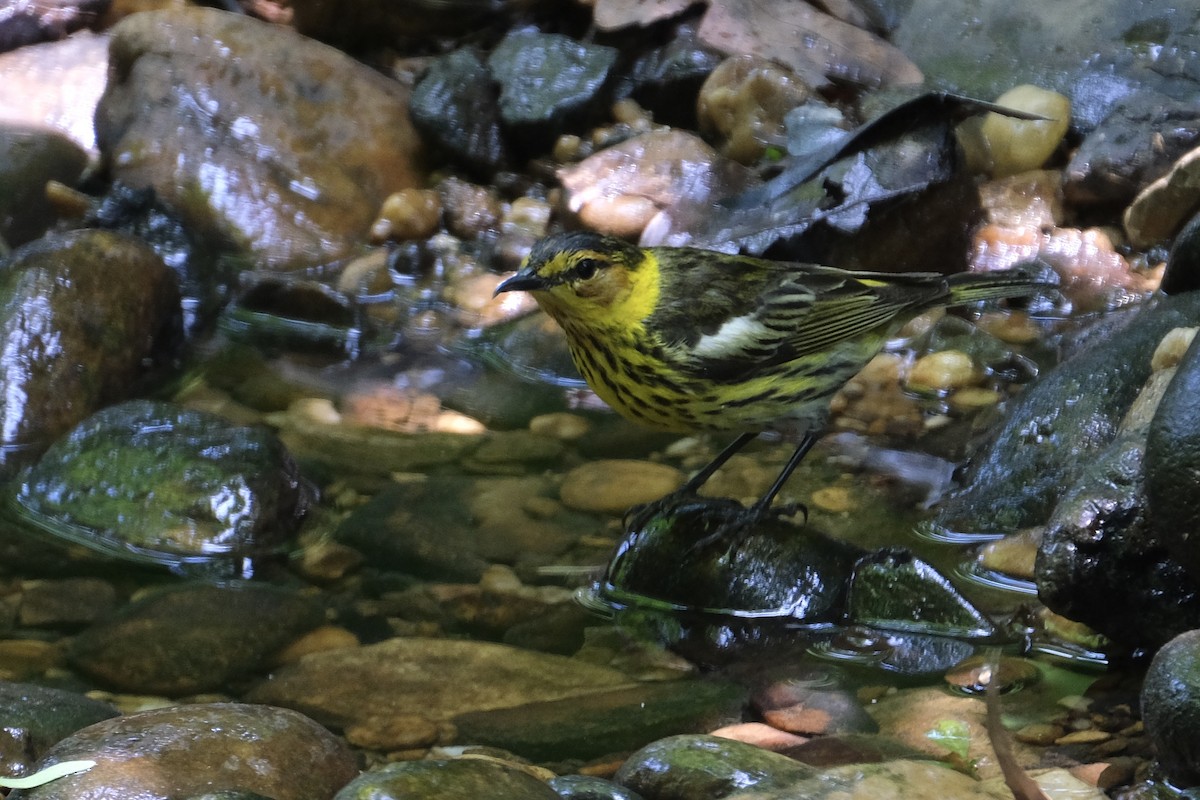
x=342 y=137
x=36 y=717
x=447 y=780
x=185 y=751
x=1169 y=706
x=86 y=297
x=29 y=158
x=199 y=487
x=193 y=638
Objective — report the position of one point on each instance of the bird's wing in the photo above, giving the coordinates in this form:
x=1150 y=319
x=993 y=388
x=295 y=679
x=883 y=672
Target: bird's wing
x=804 y=312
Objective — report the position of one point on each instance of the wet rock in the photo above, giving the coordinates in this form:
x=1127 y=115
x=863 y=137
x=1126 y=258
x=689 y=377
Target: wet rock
x=1102 y=560
x=584 y=787
x=778 y=570
x=154 y=481
x=1134 y=145
x=28 y=159
x=456 y=106
x=193 y=638
x=36 y=717
x=893 y=778
x=1171 y=708
x=436 y=678
x=547 y=82
x=666 y=80
x=1182 y=273
x=689 y=766
x=742 y=105
x=894 y=589
x=1172 y=462
x=623 y=188
x=55 y=85
x=615 y=485
x=603 y=722
x=339 y=134
x=27 y=23
x=204 y=281
x=363 y=450
x=1061 y=423
x=447 y=780
x=55 y=295
x=450 y=528
x=470 y=210
x=68 y=602
x=813 y=711
x=1051 y=46
x=185 y=751
x=1165 y=205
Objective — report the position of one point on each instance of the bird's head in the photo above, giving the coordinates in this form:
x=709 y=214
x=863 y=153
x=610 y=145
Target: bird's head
x=589 y=279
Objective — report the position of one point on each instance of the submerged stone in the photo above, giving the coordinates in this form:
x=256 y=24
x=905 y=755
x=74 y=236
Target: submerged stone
x=585 y=787
x=152 y=481
x=28 y=159
x=604 y=722
x=187 y=750
x=455 y=105
x=447 y=780
x=896 y=590
x=193 y=638
x=694 y=766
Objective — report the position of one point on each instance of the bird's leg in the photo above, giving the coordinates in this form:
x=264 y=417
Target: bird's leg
x=637 y=516
x=737 y=529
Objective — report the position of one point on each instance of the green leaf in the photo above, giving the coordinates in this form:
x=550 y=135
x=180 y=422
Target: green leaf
x=952 y=734
x=50 y=773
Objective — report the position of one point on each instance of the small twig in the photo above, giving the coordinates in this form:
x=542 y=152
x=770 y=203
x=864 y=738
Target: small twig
x=1016 y=778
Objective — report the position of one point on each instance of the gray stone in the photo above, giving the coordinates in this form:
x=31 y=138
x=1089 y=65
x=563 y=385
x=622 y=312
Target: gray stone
x=439 y=678
x=36 y=717
x=193 y=638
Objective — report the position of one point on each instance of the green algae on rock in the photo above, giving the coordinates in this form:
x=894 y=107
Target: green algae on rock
x=155 y=482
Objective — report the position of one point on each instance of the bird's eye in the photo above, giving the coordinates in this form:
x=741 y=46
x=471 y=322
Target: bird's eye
x=587 y=268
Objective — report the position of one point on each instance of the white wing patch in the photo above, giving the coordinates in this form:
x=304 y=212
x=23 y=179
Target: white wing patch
x=734 y=335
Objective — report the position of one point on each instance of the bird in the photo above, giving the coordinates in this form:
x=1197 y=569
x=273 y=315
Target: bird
x=686 y=339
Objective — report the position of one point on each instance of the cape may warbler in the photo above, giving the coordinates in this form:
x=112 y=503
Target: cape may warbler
x=684 y=339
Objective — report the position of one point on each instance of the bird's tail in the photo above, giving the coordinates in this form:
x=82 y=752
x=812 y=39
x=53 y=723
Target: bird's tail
x=971 y=287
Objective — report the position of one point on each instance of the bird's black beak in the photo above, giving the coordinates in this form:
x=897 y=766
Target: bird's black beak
x=521 y=282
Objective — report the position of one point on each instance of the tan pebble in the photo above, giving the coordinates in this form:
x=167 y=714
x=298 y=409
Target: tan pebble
x=623 y=215
x=318 y=640
x=393 y=732
x=327 y=560
x=541 y=507
x=1003 y=145
x=23 y=658
x=1043 y=734
x=453 y=422
x=409 y=214
x=500 y=579
x=1012 y=328
x=1075 y=702
x=1089 y=736
x=834 y=499
x=1172 y=347
x=1014 y=554
x=567 y=148
x=614 y=485
x=973 y=398
x=1115 y=745
x=560 y=425
x=315 y=409
x=940 y=372
x=760 y=735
